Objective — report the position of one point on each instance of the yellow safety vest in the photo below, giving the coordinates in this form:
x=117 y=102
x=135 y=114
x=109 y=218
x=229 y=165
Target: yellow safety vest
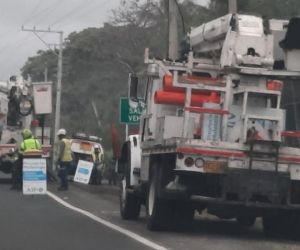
x=67 y=154
x=30 y=144
x=97 y=158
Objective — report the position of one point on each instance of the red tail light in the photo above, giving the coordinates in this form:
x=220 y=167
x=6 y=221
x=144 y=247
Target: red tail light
x=35 y=123
x=274 y=85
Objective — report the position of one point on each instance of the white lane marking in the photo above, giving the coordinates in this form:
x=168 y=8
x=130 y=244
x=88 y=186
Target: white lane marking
x=128 y=233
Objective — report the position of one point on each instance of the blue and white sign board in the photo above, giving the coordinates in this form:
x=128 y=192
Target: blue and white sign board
x=83 y=171
x=34 y=176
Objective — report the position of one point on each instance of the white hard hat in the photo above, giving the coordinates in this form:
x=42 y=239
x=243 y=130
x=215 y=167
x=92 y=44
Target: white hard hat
x=11 y=151
x=61 y=131
x=96 y=146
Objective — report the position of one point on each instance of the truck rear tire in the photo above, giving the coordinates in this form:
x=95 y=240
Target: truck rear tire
x=159 y=212
x=99 y=178
x=96 y=177
x=246 y=220
x=184 y=216
x=278 y=225
x=269 y=225
x=130 y=204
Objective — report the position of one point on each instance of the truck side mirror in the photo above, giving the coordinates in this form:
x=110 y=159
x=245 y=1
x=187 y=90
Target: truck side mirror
x=133 y=87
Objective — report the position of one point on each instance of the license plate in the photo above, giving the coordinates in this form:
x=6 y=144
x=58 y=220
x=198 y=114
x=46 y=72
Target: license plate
x=295 y=172
x=85 y=146
x=214 y=167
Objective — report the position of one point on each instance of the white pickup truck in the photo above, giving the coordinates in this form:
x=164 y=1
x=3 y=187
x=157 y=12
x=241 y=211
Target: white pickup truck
x=82 y=147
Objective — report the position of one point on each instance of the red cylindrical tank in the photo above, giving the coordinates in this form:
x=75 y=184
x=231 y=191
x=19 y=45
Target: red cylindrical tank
x=176 y=98
x=168 y=83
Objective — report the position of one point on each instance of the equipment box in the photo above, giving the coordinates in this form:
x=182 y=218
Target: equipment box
x=165 y=128
x=292 y=59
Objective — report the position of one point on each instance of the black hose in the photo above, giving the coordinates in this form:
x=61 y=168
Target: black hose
x=30 y=108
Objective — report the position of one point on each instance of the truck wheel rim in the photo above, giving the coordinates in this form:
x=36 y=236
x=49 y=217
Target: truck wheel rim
x=123 y=192
x=151 y=198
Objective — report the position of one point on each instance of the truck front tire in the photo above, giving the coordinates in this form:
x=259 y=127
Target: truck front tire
x=246 y=221
x=184 y=216
x=130 y=204
x=282 y=224
x=158 y=210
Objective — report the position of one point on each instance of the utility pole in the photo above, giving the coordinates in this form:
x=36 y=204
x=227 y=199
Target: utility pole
x=58 y=87
x=96 y=114
x=232 y=6
x=59 y=71
x=59 y=76
x=173 y=30
x=46 y=73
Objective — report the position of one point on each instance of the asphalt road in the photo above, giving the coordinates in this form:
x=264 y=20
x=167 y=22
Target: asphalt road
x=209 y=232
x=42 y=223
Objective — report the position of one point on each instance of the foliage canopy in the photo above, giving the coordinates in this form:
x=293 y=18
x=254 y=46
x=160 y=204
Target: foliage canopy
x=97 y=60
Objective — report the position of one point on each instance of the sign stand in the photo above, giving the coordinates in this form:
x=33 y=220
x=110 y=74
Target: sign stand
x=126 y=131
x=34 y=176
x=43 y=127
x=83 y=171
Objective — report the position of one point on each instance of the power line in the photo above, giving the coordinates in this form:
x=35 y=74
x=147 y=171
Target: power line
x=38 y=13
x=79 y=7
x=7 y=61
x=33 y=11
x=46 y=10
x=36 y=31
x=59 y=77
x=14 y=45
x=88 y=10
x=47 y=45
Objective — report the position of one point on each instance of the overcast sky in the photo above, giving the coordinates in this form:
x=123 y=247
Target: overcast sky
x=66 y=15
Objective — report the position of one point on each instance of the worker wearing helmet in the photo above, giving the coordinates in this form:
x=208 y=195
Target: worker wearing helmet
x=97 y=156
x=64 y=160
x=29 y=144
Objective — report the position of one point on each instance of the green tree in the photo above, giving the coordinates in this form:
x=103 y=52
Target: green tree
x=97 y=60
x=269 y=8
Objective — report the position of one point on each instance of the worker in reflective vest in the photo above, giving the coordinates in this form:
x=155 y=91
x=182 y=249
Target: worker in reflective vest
x=29 y=144
x=96 y=154
x=96 y=176
x=64 y=160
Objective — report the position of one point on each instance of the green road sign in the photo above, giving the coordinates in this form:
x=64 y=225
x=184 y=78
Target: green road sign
x=127 y=114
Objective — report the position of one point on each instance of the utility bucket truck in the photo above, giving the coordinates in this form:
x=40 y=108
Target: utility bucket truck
x=20 y=102
x=213 y=132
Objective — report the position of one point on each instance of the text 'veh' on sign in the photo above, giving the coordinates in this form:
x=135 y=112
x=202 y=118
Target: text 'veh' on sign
x=128 y=114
